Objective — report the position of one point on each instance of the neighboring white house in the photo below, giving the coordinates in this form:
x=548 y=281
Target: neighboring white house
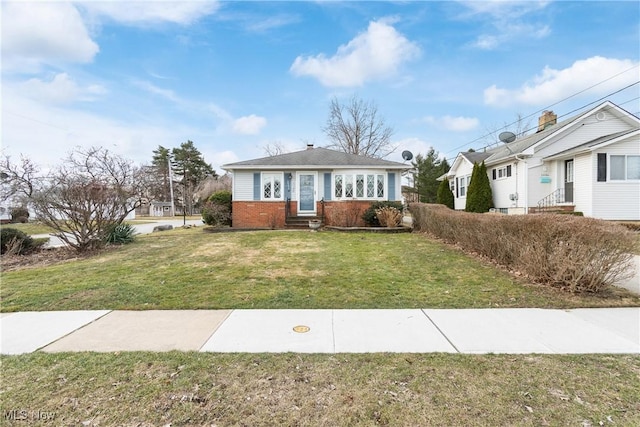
x=271 y=192
x=588 y=163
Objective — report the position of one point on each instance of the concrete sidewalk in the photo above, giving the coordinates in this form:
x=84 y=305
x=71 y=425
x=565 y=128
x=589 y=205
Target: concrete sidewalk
x=516 y=330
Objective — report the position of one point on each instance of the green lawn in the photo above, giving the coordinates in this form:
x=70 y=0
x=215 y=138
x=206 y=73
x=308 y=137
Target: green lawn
x=193 y=269
x=193 y=389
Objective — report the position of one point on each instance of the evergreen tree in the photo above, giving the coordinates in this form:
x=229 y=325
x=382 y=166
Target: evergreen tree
x=479 y=195
x=160 y=165
x=445 y=195
x=428 y=169
x=188 y=164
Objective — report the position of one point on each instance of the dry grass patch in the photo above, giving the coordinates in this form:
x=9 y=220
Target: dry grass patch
x=146 y=389
x=192 y=269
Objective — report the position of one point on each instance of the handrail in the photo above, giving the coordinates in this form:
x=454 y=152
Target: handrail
x=552 y=199
x=287 y=209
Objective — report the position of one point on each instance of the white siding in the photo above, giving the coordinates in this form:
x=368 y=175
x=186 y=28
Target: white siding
x=583 y=179
x=243 y=185
x=587 y=129
x=503 y=188
x=462 y=171
x=616 y=199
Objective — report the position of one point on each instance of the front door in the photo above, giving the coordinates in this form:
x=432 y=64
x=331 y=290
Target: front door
x=568 y=181
x=306 y=194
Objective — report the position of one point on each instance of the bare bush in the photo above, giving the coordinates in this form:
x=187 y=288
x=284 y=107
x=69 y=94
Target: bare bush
x=346 y=214
x=389 y=216
x=574 y=253
x=86 y=195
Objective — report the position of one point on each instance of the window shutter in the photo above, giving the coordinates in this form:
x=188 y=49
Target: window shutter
x=602 y=167
x=256 y=186
x=508 y=170
x=457 y=187
x=391 y=183
x=327 y=186
x=493 y=172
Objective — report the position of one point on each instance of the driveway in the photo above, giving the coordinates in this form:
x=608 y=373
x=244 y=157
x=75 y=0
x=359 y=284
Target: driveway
x=145 y=228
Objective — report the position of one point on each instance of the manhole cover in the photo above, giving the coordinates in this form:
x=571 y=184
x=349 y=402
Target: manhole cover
x=301 y=329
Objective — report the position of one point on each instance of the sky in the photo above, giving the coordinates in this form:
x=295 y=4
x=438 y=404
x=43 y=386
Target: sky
x=235 y=77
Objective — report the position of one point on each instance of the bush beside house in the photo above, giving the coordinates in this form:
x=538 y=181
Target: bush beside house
x=576 y=254
x=217 y=210
x=479 y=195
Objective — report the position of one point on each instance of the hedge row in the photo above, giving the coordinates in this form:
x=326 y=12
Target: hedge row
x=574 y=253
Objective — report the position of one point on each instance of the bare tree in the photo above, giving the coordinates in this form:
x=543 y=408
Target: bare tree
x=520 y=126
x=90 y=192
x=18 y=180
x=274 y=148
x=210 y=185
x=357 y=128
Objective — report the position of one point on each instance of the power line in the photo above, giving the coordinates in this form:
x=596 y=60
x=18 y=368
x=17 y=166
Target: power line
x=554 y=104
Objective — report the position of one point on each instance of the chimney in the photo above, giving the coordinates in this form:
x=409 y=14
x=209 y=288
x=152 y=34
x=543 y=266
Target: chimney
x=309 y=146
x=546 y=119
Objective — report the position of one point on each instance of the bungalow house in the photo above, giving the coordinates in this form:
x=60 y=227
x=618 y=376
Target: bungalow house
x=588 y=163
x=316 y=183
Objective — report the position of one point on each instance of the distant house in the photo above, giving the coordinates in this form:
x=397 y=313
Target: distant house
x=588 y=163
x=336 y=187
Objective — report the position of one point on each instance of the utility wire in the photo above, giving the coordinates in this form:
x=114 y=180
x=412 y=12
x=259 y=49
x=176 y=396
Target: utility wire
x=554 y=104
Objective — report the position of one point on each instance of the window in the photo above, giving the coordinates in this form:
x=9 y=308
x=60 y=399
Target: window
x=338 y=187
x=358 y=186
x=463 y=183
x=503 y=172
x=624 y=168
x=271 y=186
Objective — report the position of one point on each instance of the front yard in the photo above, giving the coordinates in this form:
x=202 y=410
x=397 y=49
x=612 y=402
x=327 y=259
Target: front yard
x=192 y=269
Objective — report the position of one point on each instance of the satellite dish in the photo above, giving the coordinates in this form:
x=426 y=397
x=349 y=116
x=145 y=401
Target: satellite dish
x=507 y=137
x=407 y=155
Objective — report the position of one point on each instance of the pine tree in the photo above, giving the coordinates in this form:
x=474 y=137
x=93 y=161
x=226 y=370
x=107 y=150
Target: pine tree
x=445 y=195
x=479 y=195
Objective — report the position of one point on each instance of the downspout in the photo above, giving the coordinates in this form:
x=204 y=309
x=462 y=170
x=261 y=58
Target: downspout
x=526 y=208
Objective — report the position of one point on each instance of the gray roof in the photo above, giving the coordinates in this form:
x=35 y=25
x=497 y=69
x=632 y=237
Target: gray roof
x=504 y=151
x=594 y=142
x=475 y=156
x=315 y=158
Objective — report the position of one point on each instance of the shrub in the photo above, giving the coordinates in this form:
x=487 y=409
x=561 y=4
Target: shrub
x=479 y=195
x=445 y=195
x=369 y=216
x=14 y=242
x=216 y=215
x=222 y=197
x=217 y=210
x=389 y=216
x=345 y=214
x=120 y=234
x=574 y=253
x=19 y=214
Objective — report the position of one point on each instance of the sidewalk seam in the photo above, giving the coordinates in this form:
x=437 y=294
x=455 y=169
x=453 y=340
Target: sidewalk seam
x=440 y=330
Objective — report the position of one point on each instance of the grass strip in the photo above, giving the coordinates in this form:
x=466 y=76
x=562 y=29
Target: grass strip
x=145 y=389
x=192 y=269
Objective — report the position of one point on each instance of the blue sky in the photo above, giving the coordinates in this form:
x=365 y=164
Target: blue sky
x=236 y=76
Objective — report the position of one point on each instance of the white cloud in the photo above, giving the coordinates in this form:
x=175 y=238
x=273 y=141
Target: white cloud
x=36 y=33
x=59 y=90
x=374 y=54
x=151 y=88
x=454 y=124
x=249 y=125
x=553 y=85
x=151 y=11
x=508 y=20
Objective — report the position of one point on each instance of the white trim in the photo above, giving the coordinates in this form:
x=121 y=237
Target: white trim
x=315 y=192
